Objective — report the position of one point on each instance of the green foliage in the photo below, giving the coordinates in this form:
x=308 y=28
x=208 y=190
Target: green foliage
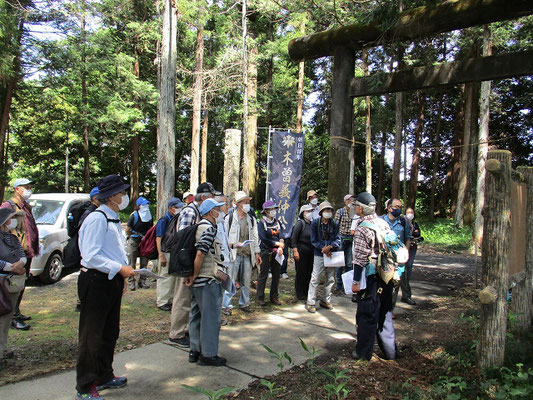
x=272 y=391
x=312 y=352
x=516 y=383
x=444 y=234
x=281 y=356
x=336 y=388
x=210 y=394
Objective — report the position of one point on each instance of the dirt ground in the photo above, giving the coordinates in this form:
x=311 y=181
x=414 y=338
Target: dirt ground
x=422 y=333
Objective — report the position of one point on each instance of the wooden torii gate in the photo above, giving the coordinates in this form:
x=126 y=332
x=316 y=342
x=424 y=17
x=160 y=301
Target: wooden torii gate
x=341 y=43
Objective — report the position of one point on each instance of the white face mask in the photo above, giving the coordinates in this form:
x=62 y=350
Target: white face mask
x=246 y=208
x=26 y=194
x=308 y=215
x=144 y=213
x=124 y=201
x=327 y=214
x=220 y=217
x=272 y=213
x=410 y=216
x=12 y=224
x=314 y=201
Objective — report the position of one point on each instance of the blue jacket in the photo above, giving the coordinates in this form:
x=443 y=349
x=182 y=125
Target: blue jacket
x=323 y=235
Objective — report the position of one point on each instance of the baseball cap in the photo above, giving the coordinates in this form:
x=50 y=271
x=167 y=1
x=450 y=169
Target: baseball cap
x=175 y=202
x=142 y=201
x=208 y=205
x=22 y=182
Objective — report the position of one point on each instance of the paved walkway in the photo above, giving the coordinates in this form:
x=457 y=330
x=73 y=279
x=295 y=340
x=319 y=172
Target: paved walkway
x=157 y=371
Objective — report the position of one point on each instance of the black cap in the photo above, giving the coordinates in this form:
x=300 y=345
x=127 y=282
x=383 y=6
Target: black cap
x=111 y=185
x=365 y=198
x=207 y=187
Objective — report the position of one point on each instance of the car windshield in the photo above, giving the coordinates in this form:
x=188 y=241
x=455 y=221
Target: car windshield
x=46 y=212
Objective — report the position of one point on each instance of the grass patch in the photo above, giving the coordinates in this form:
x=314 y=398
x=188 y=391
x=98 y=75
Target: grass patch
x=443 y=234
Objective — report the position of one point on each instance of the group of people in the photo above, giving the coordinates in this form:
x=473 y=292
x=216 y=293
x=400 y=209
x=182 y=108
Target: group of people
x=231 y=245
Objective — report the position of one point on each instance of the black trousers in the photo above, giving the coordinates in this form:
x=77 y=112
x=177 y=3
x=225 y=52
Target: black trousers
x=99 y=327
x=304 y=269
x=269 y=264
x=372 y=306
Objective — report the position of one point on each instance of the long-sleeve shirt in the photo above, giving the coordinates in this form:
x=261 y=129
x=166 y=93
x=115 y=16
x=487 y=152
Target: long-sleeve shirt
x=323 y=235
x=301 y=236
x=190 y=215
x=268 y=233
x=342 y=216
x=10 y=251
x=101 y=242
x=31 y=231
x=365 y=244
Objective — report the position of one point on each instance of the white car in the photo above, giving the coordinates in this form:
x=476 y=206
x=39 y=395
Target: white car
x=50 y=211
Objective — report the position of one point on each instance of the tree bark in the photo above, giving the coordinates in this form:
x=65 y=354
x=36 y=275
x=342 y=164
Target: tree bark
x=301 y=77
x=368 y=131
x=245 y=179
x=431 y=211
x=395 y=192
x=341 y=133
x=203 y=157
x=84 y=104
x=134 y=188
x=463 y=176
x=483 y=146
x=166 y=142
x=381 y=172
x=495 y=259
x=416 y=151
x=232 y=157
x=252 y=117
x=197 y=108
x=522 y=297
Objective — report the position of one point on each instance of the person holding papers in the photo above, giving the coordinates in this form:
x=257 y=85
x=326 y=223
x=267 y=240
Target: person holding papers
x=326 y=239
x=271 y=253
x=243 y=241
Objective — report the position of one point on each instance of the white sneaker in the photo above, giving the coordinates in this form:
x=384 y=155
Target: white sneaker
x=285 y=276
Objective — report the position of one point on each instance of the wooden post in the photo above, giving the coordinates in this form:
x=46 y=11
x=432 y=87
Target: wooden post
x=232 y=158
x=522 y=295
x=341 y=135
x=495 y=258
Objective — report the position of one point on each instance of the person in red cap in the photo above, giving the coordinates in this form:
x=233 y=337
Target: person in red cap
x=271 y=246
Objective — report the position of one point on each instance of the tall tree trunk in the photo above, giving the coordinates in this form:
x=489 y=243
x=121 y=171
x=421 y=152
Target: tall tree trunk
x=245 y=161
x=166 y=141
x=84 y=104
x=463 y=176
x=416 y=151
x=300 y=94
x=398 y=126
x=436 y=145
x=483 y=146
x=197 y=108
x=381 y=172
x=252 y=116
x=203 y=158
x=368 y=131
x=134 y=189
x=469 y=201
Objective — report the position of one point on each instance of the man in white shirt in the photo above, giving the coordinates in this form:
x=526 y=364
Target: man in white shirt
x=101 y=283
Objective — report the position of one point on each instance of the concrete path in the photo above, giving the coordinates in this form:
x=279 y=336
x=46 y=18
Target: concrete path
x=157 y=371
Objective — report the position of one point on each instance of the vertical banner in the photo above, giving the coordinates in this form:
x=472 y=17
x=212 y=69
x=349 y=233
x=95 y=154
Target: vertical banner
x=285 y=176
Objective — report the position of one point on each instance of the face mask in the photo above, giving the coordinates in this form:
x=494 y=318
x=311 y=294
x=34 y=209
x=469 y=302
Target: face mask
x=144 y=213
x=26 y=194
x=410 y=216
x=314 y=201
x=246 y=208
x=12 y=224
x=124 y=201
x=396 y=212
x=327 y=214
x=308 y=216
x=272 y=213
x=220 y=217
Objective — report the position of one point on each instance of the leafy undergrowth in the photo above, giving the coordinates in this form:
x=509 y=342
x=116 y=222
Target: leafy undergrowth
x=444 y=235
x=427 y=366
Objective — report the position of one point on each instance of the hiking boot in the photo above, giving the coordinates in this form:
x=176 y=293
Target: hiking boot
x=165 y=307
x=181 y=342
x=276 y=302
x=92 y=394
x=21 y=317
x=310 y=308
x=215 y=361
x=261 y=303
x=246 y=309
x=193 y=356
x=21 y=326
x=226 y=311
x=115 y=383
x=325 y=304
x=409 y=301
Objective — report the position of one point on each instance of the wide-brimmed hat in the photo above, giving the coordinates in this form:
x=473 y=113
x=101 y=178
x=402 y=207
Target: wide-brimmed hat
x=311 y=193
x=8 y=213
x=22 y=182
x=111 y=185
x=240 y=196
x=323 y=206
x=269 y=204
x=304 y=208
x=208 y=205
x=142 y=201
x=187 y=194
x=175 y=202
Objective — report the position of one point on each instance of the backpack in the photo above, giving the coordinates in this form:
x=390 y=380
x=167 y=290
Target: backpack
x=392 y=253
x=169 y=239
x=183 y=252
x=74 y=216
x=148 y=246
x=71 y=252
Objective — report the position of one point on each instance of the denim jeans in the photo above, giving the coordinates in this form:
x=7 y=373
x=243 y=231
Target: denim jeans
x=347 y=248
x=205 y=317
x=244 y=265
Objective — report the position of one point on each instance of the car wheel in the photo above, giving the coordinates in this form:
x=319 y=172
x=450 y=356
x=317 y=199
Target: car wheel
x=52 y=270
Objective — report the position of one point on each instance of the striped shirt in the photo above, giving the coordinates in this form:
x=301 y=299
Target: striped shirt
x=11 y=250
x=190 y=215
x=206 y=245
